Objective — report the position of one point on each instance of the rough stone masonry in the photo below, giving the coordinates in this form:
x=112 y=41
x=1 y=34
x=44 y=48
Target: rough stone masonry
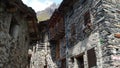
x=14 y=39
x=92 y=33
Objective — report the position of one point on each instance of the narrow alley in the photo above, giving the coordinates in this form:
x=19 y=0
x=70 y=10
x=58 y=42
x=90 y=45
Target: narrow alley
x=78 y=34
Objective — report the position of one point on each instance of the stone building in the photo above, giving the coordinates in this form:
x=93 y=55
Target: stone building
x=82 y=34
x=57 y=38
x=17 y=31
x=92 y=33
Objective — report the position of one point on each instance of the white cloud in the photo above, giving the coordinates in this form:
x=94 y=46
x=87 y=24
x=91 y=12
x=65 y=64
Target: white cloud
x=38 y=5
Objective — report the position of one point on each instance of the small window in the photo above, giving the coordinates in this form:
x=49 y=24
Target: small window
x=45 y=66
x=14 y=28
x=80 y=61
x=87 y=18
x=73 y=31
x=91 y=58
x=87 y=23
x=72 y=59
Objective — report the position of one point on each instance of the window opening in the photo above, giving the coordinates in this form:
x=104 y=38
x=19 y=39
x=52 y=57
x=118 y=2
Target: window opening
x=80 y=61
x=14 y=28
x=91 y=58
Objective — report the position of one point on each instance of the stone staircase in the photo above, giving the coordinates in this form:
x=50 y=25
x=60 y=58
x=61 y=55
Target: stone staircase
x=41 y=57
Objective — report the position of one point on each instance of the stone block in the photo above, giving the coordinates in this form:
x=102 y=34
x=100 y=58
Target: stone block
x=117 y=35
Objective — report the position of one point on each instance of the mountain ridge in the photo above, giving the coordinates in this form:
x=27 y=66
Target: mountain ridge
x=47 y=13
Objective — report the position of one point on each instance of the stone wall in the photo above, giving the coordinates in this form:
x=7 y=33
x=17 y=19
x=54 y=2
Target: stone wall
x=97 y=34
x=107 y=33
x=13 y=45
x=14 y=39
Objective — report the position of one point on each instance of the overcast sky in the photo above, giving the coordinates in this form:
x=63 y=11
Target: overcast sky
x=39 y=5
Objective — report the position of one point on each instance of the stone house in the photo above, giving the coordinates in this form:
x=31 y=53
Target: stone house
x=17 y=31
x=57 y=38
x=92 y=33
